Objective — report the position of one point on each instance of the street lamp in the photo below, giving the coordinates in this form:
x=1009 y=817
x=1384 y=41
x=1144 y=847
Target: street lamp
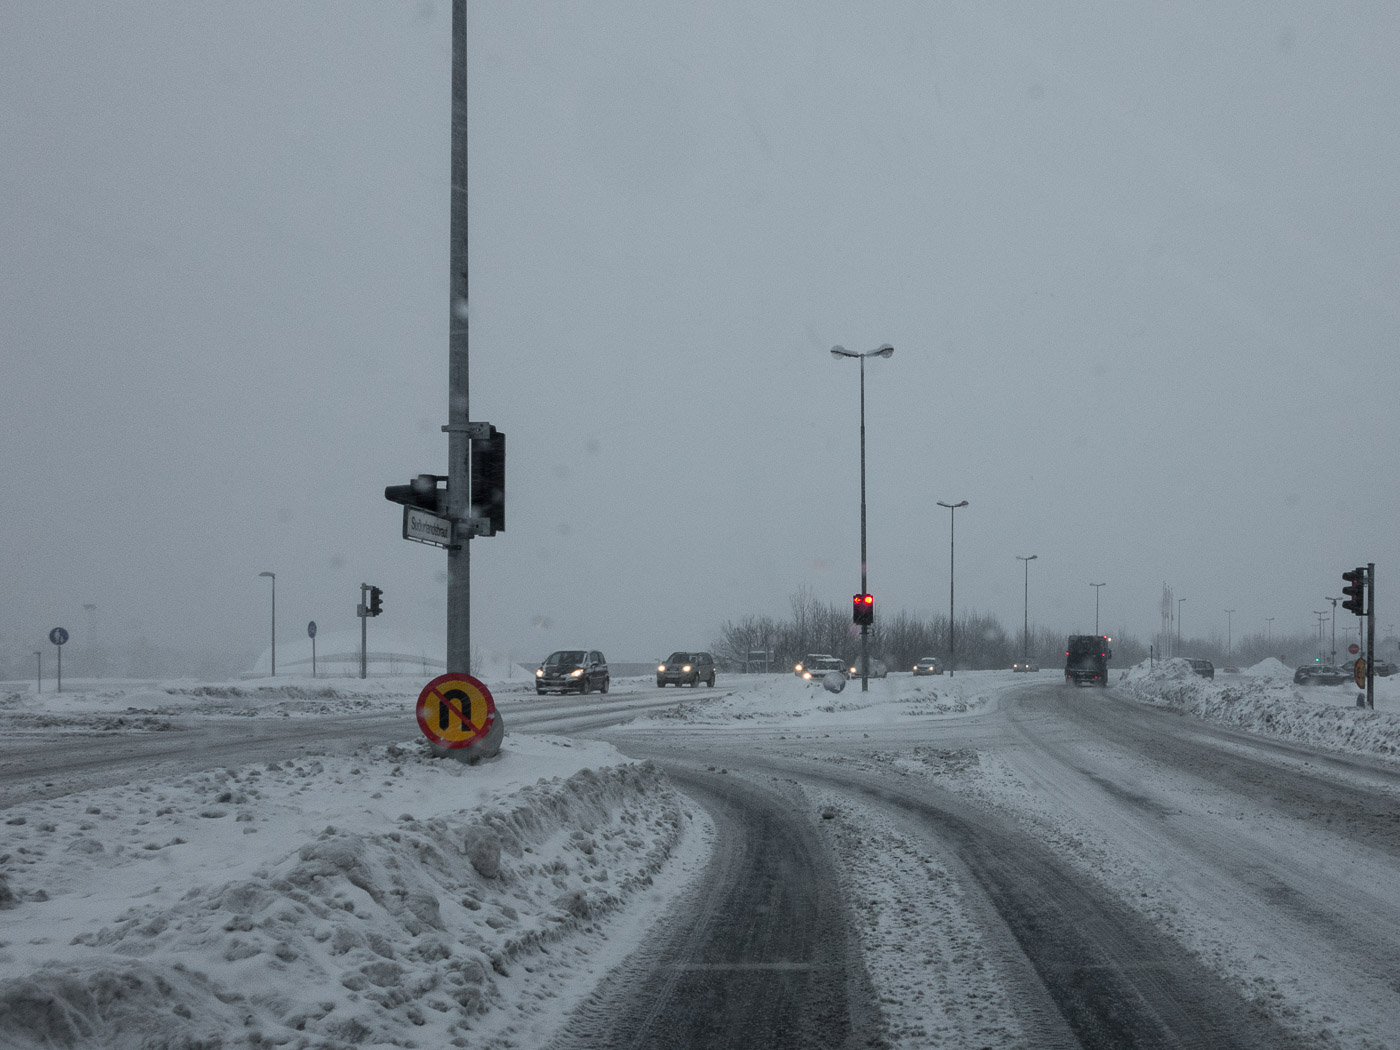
x=1229 y=637
x=273 y=576
x=1096 y=587
x=1334 y=602
x=1321 y=619
x=1270 y=621
x=952 y=635
x=1178 y=626
x=1026 y=615
x=39 y=669
x=880 y=351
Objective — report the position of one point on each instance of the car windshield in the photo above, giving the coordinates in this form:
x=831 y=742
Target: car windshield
x=1116 y=284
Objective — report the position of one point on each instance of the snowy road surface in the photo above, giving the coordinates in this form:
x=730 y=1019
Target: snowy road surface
x=987 y=861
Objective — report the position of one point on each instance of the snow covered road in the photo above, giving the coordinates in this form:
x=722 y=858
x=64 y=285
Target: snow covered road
x=995 y=860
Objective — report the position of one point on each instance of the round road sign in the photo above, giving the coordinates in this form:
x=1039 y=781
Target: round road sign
x=58 y=636
x=1358 y=672
x=311 y=629
x=455 y=710
x=1353 y=648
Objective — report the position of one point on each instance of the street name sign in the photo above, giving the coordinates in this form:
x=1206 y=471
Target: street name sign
x=423 y=527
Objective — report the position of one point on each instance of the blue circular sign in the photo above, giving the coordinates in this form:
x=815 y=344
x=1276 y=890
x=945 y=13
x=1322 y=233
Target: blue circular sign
x=311 y=629
x=58 y=636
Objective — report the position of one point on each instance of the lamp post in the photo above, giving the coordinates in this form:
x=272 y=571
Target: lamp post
x=39 y=670
x=838 y=352
x=1321 y=619
x=273 y=576
x=1026 y=614
x=1096 y=587
x=1229 y=637
x=1178 y=626
x=1270 y=621
x=952 y=630
x=1334 y=602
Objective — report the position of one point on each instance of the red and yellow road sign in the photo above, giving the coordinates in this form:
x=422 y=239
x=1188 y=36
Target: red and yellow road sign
x=455 y=710
x=1358 y=672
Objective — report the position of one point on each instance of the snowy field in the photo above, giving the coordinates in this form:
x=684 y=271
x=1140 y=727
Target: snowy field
x=391 y=899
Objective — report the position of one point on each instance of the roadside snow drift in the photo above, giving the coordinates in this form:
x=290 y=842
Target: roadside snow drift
x=385 y=900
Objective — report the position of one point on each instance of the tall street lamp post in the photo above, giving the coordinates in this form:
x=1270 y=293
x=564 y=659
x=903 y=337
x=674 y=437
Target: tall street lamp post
x=881 y=351
x=273 y=576
x=952 y=630
x=1270 y=621
x=1229 y=637
x=1026 y=613
x=1096 y=587
x=1334 y=602
x=39 y=669
x=1178 y=626
x=1321 y=619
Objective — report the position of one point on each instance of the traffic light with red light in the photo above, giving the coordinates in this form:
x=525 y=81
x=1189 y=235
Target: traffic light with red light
x=863 y=610
x=1355 y=590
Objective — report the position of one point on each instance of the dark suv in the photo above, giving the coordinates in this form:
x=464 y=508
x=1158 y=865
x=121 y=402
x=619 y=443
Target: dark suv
x=681 y=668
x=1204 y=668
x=573 y=670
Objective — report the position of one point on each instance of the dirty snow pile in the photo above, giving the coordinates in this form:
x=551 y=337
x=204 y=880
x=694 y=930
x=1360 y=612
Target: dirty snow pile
x=1267 y=702
x=777 y=699
x=387 y=899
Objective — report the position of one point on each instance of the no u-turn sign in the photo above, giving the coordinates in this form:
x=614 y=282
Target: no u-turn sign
x=455 y=710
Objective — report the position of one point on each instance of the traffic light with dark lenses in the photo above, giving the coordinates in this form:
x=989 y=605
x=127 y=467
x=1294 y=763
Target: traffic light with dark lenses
x=1355 y=590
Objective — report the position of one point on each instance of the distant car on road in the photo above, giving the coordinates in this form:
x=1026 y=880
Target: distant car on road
x=1384 y=668
x=877 y=669
x=1025 y=665
x=816 y=666
x=1322 y=674
x=928 y=665
x=1204 y=668
x=684 y=668
x=573 y=671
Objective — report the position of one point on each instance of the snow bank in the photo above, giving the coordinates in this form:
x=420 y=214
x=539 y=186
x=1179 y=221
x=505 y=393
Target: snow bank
x=388 y=900
x=1323 y=716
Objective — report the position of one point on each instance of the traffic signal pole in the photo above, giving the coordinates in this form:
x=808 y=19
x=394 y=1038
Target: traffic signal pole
x=1371 y=636
x=459 y=639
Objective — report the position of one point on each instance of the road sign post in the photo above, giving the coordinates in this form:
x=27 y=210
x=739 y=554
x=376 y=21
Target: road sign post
x=311 y=632
x=58 y=636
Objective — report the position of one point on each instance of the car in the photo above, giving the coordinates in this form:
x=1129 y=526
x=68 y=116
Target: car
x=573 y=671
x=1025 y=665
x=1384 y=668
x=1204 y=668
x=816 y=666
x=1322 y=674
x=928 y=665
x=877 y=669
x=686 y=668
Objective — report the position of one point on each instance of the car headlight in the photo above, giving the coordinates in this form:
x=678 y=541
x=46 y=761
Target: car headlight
x=660 y=668
x=685 y=669
x=797 y=668
x=539 y=673
x=576 y=672
x=807 y=675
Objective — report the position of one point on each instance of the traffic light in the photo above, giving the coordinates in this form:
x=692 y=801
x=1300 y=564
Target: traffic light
x=422 y=492
x=488 y=492
x=376 y=605
x=1355 y=590
x=863 y=609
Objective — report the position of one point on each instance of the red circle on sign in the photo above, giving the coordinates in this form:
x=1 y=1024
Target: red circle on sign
x=455 y=710
x=1353 y=648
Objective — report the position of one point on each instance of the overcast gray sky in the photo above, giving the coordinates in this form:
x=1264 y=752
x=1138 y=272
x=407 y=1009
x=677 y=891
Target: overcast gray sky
x=1139 y=264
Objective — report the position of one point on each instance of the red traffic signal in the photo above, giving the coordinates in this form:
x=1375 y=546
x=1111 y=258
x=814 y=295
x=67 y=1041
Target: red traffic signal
x=863 y=609
x=1355 y=590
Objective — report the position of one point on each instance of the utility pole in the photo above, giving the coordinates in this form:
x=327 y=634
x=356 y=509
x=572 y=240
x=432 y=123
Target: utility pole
x=1229 y=637
x=459 y=638
x=1096 y=587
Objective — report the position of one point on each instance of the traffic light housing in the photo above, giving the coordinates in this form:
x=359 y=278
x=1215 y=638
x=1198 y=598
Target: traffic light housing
x=422 y=492
x=488 y=489
x=376 y=604
x=1355 y=590
x=863 y=609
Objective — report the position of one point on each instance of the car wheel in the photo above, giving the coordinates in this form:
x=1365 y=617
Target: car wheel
x=539 y=690
x=606 y=682
x=660 y=684
x=711 y=683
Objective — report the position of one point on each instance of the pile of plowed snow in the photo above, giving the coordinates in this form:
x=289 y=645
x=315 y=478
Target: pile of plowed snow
x=390 y=899
x=1263 y=703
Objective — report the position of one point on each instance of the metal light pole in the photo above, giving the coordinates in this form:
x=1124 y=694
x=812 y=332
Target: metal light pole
x=952 y=630
x=1334 y=602
x=39 y=670
x=1229 y=637
x=1026 y=614
x=1096 y=587
x=1270 y=621
x=881 y=351
x=1178 y=626
x=273 y=577
x=1321 y=619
